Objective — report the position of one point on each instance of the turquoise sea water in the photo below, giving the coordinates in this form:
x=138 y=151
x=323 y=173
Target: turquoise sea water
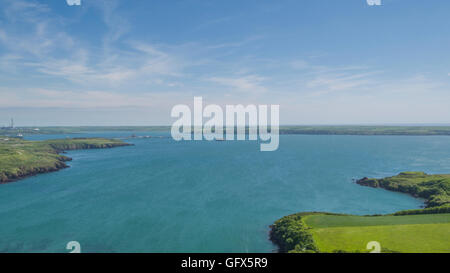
x=167 y=196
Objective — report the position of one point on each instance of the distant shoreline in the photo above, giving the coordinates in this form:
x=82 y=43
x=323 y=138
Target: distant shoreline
x=413 y=130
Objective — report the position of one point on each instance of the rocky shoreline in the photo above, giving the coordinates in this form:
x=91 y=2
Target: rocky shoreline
x=53 y=149
x=60 y=148
x=432 y=188
x=8 y=178
x=374 y=183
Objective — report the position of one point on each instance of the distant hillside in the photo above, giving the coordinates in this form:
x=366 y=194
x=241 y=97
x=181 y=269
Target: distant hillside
x=366 y=130
x=302 y=130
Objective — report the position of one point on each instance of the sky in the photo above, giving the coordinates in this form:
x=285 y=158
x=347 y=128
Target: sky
x=128 y=62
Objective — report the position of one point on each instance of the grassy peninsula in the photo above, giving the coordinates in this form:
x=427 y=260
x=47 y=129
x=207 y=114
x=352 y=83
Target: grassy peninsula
x=435 y=189
x=20 y=158
x=419 y=230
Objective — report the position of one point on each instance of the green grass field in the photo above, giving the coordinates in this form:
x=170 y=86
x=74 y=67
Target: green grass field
x=328 y=221
x=410 y=233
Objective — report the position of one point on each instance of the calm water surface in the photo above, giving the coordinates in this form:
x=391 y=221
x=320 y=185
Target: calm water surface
x=167 y=196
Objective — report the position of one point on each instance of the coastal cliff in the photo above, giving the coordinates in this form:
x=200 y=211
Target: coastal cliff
x=435 y=189
x=20 y=158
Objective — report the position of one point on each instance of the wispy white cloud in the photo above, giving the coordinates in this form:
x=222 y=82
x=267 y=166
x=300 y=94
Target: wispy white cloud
x=117 y=25
x=22 y=10
x=248 y=83
x=63 y=70
x=56 y=98
x=106 y=66
x=329 y=82
x=417 y=86
x=144 y=63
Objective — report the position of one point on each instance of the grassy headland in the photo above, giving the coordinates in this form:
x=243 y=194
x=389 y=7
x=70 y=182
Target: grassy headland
x=20 y=158
x=435 y=189
x=419 y=230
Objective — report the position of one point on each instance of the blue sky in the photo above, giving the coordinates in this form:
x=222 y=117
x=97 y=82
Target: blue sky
x=129 y=62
